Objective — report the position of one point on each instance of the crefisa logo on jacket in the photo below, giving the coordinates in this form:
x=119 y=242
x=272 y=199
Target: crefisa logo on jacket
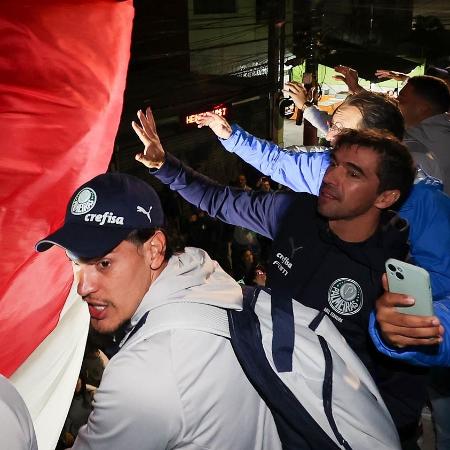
x=345 y=296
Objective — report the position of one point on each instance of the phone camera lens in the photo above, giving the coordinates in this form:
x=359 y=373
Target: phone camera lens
x=399 y=276
x=391 y=267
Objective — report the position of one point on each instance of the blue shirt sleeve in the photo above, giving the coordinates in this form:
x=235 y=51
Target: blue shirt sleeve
x=257 y=211
x=438 y=355
x=427 y=210
x=300 y=171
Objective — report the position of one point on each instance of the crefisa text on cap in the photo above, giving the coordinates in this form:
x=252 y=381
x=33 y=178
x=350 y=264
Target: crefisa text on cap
x=106 y=217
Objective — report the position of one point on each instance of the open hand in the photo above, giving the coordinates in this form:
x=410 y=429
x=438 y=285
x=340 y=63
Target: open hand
x=218 y=124
x=350 y=77
x=153 y=155
x=391 y=74
x=297 y=92
x=402 y=330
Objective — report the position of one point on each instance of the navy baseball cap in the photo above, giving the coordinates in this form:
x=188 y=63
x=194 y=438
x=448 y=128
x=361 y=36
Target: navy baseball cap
x=102 y=212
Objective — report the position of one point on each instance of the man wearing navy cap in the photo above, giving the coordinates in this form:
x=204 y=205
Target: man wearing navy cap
x=175 y=382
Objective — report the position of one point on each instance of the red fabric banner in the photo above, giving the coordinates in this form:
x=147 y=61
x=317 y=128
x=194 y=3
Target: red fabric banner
x=63 y=68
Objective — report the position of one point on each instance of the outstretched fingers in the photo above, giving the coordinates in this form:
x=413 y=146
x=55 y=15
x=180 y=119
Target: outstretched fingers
x=218 y=124
x=294 y=87
x=150 y=119
x=147 y=122
x=382 y=73
x=339 y=77
x=205 y=119
x=153 y=155
x=140 y=132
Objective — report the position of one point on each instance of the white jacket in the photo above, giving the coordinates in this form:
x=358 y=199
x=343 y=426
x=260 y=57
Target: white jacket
x=429 y=144
x=16 y=427
x=181 y=388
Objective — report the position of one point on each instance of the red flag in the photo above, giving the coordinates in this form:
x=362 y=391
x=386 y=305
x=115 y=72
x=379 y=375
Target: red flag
x=62 y=75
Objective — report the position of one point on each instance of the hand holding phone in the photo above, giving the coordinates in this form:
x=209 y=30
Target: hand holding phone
x=407 y=279
x=401 y=329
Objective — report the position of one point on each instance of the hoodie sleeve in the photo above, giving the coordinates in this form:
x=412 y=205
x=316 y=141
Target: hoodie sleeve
x=300 y=171
x=257 y=211
x=137 y=404
x=438 y=355
x=16 y=425
x=317 y=118
x=427 y=209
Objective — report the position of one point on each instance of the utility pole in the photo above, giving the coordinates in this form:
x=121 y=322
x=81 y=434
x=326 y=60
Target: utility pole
x=275 y=63
x=310 y=81
x=307 y=25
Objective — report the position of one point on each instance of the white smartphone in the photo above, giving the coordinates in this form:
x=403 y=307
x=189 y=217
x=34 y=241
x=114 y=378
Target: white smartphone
x=404 y=278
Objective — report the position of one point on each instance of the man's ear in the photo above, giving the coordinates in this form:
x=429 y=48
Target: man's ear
x=387 y=198
x=155 y=250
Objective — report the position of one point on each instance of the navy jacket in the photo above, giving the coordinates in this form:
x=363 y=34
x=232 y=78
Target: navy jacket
x=312 y=265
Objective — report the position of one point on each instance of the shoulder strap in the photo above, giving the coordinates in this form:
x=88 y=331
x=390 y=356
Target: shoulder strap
x=188 y=316
x=295 y=425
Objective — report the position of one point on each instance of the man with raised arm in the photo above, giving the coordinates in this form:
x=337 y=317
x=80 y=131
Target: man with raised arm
x=427 y=210
x=328 y=252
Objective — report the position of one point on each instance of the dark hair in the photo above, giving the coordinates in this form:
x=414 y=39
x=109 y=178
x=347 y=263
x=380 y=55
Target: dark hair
x=443 y=74
x=433 y=90
x=378 y=111
x=139 y=236
x=244 y=250
x=395 y=169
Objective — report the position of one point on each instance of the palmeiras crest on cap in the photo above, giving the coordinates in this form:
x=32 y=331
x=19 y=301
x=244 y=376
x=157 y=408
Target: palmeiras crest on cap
x=84 y=201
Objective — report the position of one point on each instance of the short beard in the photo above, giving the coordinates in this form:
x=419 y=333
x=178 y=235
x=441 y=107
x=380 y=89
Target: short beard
x=120 y=330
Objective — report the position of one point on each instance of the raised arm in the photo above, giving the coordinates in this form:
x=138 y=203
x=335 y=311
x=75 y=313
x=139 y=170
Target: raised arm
x=257 y=211
x=350 y=77
x=391 y=75
x=300 y=171
x=317 y=118
x=153 y=155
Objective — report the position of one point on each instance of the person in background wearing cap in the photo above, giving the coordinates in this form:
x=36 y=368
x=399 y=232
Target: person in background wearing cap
x=170 y=385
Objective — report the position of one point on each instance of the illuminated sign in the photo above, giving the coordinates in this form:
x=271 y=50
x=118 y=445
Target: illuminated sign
x=219 y=110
